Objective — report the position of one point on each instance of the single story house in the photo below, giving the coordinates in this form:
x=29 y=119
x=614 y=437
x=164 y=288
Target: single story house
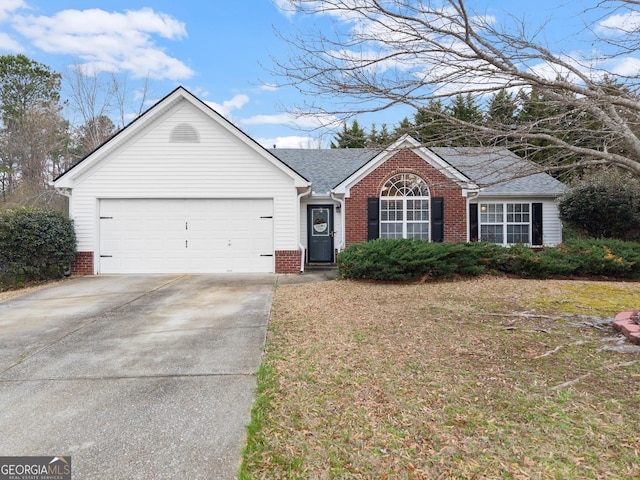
x=182 y=190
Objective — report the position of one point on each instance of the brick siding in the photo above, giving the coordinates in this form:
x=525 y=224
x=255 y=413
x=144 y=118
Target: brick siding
x=288 y=261
x=82 y=264
x=406 y=161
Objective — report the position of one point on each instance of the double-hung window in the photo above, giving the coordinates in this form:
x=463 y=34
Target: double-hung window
x=404 y=207
x=505 y=223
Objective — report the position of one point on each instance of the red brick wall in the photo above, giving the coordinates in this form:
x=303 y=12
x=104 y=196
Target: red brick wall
x=406 y=161
x=288 y=261
x=82 y=264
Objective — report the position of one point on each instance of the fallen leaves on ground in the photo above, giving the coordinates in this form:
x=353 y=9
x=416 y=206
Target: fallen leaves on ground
x=446 y=380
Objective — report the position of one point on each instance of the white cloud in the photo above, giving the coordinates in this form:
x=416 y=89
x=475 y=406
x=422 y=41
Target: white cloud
x=267 y=87
x=620 y=23
x=286 y=7
x=290 y=119
x=9 y=44
x=7 y=7
x=225 y=108
x=276 y=119
x=110 y=41
x=291 y=141
x=627 y=66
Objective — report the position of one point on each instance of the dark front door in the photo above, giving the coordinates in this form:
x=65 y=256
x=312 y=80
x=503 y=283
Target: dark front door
x=320 y=233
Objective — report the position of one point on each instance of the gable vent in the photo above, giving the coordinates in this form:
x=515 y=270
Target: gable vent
x=184 y=133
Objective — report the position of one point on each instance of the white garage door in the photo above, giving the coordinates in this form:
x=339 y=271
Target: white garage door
x=186 y=236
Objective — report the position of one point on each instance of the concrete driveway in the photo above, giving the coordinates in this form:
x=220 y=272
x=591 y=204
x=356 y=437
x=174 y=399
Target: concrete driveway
x=148 y=377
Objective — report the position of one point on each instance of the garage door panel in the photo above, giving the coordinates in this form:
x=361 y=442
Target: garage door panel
x=186 y=236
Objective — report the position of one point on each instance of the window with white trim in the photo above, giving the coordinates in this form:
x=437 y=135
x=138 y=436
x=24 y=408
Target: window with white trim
x=404 y=207
x=505 y=223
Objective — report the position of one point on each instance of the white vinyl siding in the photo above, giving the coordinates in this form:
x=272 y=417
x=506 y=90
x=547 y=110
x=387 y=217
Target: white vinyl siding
x=552 y=225
x=517 y=226
x=150 y=166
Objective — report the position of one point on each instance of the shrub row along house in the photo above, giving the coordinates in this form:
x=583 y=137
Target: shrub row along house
x=182 y=190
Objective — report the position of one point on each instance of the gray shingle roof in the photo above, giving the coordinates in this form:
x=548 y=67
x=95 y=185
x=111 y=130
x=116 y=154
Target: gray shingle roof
x=325 y=168
x=499 y=171
x=496 y=170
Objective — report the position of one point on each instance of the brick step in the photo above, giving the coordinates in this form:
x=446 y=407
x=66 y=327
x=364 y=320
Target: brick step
x=624 y=322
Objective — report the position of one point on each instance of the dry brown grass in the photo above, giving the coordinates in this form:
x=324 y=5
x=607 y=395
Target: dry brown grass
x=480 y=378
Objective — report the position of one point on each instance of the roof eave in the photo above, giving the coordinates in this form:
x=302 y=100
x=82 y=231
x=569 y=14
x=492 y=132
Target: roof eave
x=482 y=193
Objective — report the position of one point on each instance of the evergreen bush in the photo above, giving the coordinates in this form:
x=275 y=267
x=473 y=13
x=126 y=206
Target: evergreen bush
x=35 y=243
x=603 y=205
x=408 y=259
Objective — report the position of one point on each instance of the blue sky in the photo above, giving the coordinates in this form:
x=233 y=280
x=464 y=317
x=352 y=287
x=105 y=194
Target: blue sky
x=220 y=51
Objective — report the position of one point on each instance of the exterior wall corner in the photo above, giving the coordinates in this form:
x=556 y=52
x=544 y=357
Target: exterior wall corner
x=82 y=264
x=288 y=261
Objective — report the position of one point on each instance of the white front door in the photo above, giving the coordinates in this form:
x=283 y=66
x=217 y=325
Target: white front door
x=186 y=236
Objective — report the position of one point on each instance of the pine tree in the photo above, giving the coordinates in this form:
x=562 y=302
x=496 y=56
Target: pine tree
x=354 y=137
x=430 y=128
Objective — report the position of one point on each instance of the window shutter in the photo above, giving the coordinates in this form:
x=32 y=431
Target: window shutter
x=437 y=219
x=373 y=218
x=536 y=224
x=474 y=234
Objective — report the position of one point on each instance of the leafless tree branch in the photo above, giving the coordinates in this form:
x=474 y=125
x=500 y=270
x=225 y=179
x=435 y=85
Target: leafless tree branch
x=407 y=52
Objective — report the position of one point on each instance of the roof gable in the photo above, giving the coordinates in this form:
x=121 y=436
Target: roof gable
x=407 y=142
x=156 y=112
x=486 y=170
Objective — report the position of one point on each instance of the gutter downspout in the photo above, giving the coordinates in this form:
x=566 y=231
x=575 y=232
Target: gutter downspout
x=300 y=246
x=343 y=239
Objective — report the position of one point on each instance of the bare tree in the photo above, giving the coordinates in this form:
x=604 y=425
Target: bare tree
x=101 y=105
x=383 y=53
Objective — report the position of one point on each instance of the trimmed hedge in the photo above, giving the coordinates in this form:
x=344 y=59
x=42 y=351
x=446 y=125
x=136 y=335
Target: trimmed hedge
x=409 y=259
x=35 y=244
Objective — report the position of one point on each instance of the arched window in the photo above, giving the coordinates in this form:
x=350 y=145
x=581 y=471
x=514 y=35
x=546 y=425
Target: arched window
x=404 y=207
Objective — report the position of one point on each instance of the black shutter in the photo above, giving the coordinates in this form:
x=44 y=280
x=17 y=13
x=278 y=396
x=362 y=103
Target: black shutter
x=437 y=219
x=373 y=218
x=474 y=235
x=536 y=224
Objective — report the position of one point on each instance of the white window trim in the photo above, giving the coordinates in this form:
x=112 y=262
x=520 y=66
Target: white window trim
x=405 y=198
x=404 y=216
x=504 y=222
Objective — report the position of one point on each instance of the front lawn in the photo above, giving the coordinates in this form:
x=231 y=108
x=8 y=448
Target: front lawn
x=482 y=378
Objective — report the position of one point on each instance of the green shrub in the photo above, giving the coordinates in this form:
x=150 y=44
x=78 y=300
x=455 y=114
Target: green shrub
x=35 y=244
x=605 y=204
x=406 y=259
x=601 y=258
